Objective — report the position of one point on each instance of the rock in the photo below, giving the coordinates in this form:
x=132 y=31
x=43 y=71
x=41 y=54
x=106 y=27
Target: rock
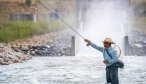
x=26 y=57
x=32 y=52
x=138 y=45
x=20 y=58
x=13 y=59
x=48 y=46
x=29 y=46
x=1 y=61
x=5 y=49
x=1 y=46
x=35 y=47
x=24 y=48
x=1 y=56
x=1 y=50
x=17 y=49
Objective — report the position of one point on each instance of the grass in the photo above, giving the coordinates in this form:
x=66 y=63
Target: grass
x=13 y=30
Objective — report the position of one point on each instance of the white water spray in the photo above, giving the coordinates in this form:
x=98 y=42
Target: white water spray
x=103 y=19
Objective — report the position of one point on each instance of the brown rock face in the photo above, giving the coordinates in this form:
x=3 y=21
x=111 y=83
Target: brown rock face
x=9 y=56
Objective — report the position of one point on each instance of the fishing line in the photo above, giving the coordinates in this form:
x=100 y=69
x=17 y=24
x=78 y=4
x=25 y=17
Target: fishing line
x=61 y=19
x=119 y=49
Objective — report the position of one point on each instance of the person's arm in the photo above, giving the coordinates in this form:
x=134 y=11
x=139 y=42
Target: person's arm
x=94 y=45
x=114 y=56
x=97 y=47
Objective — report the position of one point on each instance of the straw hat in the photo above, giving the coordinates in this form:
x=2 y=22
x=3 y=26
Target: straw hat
x=108 y=40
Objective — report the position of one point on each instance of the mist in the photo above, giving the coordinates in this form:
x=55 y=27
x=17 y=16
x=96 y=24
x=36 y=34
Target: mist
x=104 y=19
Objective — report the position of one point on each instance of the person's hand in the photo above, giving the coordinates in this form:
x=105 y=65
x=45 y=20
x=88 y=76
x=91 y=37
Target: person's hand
x=105 y=61
x=86 y=40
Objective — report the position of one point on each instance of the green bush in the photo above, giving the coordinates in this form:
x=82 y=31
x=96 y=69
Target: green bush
x=16 y=30
x=13 y=30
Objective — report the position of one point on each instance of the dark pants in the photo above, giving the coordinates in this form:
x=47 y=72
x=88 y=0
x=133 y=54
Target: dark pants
x=112 y=75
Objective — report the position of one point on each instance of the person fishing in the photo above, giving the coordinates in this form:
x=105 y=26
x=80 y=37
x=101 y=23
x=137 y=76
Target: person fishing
x=109 y=54
x=110 y=58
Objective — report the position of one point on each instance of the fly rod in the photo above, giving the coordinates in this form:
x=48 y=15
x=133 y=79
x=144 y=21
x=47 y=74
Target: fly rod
x=69 y=25
x=61 y=19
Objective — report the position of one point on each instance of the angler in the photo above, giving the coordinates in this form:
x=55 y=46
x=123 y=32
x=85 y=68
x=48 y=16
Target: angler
x=110 y=59
x=110 y=55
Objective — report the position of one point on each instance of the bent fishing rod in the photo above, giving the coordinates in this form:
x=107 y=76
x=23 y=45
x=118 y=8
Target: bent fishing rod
x=69 y=25
x=62 y=20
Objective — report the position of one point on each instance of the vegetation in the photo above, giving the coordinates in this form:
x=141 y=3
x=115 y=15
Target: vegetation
x=12 y=30
x=28 y=2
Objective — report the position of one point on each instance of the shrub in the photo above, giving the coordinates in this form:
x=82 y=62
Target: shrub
x=13 y=30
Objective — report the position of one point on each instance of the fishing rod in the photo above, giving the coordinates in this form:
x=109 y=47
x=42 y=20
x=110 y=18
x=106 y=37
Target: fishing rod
x=69 y=25
x=61 y=19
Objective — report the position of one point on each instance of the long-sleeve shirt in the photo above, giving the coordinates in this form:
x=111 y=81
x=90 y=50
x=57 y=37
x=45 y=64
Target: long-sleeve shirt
x=112 y=52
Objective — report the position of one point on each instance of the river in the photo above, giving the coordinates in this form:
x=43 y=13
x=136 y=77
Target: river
x=71 y=70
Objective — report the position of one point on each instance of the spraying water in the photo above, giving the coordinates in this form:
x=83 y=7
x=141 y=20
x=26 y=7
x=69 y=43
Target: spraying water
x=103 y=19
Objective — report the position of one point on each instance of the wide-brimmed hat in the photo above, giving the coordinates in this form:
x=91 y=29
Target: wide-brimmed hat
x=108 y=40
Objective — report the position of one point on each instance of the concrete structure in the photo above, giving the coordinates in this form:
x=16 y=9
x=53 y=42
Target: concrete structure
x=23 y=17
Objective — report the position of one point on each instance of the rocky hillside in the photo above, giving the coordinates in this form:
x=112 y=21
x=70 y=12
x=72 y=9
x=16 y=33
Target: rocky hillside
x=8 y=7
